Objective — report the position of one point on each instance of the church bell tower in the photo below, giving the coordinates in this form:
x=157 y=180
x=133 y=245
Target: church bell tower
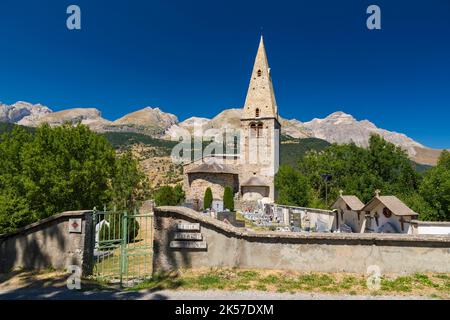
x=260 y=132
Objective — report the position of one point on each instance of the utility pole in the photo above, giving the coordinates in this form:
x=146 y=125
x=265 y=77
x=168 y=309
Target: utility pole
x=326 y=177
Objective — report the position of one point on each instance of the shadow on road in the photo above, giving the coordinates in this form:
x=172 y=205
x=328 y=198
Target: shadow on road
x=53 y=286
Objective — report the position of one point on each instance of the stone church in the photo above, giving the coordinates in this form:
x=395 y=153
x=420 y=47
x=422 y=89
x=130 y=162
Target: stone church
x=250 y=171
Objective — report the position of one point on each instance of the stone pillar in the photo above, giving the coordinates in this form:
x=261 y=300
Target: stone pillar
x=89 y=242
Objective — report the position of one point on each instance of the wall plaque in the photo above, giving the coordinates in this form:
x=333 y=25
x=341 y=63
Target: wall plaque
x=188 y=244
x=188 y=236
x=189 y=226
x=75 y=225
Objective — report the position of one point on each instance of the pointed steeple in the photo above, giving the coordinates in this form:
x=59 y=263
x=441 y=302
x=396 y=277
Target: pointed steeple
x=260 y=101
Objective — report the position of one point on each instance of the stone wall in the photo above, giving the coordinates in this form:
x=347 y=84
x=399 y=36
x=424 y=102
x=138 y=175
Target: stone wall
x=49 y=244
x=228 y=246
x=199 y=182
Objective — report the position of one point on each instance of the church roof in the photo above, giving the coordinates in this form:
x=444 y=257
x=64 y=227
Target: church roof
x=254 y=182
x=260 y=94
x=212 y=167
x=392 y=203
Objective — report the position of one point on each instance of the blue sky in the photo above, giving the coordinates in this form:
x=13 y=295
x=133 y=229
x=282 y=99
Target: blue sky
x=195 y=58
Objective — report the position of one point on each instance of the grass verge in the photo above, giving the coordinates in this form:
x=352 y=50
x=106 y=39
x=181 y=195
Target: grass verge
x=429 y=285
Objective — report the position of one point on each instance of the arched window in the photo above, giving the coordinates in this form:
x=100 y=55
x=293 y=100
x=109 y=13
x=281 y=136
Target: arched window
x=259 y=73
x=253 y=130
x=259 y=130
x=257 y=113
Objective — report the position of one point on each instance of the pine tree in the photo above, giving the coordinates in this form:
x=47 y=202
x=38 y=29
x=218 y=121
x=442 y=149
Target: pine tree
x=208 y=199
x=228 y=200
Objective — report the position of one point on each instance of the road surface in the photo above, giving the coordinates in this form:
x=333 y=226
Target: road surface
x=62 y=293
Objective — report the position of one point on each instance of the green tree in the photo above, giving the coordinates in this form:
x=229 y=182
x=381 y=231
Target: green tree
x=207 y=199
x=360 y=171
x=435 y=189
x=58 y=169
x=293 y=187
x=416 y=202
x=179 y=193
x=14 y=213
x=228 y=200
x=129 y=184
x=66 y=168
x=169 y=196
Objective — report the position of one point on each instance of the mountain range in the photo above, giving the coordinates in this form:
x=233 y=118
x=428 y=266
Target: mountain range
x=338 y=127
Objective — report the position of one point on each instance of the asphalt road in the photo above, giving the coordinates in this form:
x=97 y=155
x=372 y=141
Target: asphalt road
x=62 y=293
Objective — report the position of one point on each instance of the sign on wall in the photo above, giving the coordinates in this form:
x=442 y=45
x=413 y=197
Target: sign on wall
x=188 y=226
x=75 y=225
x=188 y=236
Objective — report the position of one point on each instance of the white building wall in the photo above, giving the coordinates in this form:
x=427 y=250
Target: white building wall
x=430 y=229
x=393 y=219
x=350 y=218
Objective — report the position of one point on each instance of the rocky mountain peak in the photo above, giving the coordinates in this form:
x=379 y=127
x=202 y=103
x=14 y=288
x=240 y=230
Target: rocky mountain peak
x=338 y=127
x=22 y=111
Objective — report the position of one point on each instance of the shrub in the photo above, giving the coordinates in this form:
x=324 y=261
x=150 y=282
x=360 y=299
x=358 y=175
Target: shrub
x=208 y=199
x=228 y=200
x=169 y=196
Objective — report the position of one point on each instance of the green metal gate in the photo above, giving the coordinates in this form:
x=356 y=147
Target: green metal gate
x=123 y=246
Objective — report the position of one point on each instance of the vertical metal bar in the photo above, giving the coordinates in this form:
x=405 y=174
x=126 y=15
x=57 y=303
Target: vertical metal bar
x=100 y=240
x=120 y=235
x=152 y=221
x=94 y=214
x=134 y=241
x=138 y=257
x=123 y=268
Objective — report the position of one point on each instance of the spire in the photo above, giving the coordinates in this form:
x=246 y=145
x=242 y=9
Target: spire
x=260 y=101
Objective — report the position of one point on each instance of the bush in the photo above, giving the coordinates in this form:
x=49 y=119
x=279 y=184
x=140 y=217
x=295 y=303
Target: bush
x=56 y=169
x=228 y=200
x=435 y=189
x=293 y=188
x=207 y=199
x=169 y=196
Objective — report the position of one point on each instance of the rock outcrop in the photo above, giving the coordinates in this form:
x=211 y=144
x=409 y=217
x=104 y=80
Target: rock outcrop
x=338 y=127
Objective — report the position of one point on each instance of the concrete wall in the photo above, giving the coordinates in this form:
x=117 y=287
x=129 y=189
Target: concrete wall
x=228 y=246
x=430 y=227
x=48 y=244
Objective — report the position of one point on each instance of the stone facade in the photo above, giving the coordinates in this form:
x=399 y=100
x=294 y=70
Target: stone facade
x=49 y=244
x=250 y=173
x=199 y=182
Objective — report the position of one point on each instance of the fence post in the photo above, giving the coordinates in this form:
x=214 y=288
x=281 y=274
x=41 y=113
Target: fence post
x=123 y=255
x=89 y=243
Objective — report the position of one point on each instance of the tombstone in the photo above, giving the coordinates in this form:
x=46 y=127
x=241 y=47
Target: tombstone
x=345 y=228
x=322 y=225
x=388 y=227
x=196 y=204
x=217 y=205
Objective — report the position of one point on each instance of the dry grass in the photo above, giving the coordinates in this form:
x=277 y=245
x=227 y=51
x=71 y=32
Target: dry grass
x=427 y=285
x=419 y=284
